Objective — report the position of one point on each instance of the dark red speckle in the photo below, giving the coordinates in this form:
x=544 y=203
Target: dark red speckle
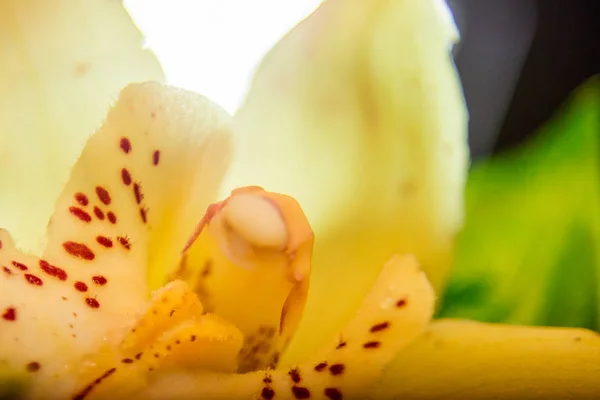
x=0 y=244
x=34 y=280
x=401 y=303
x=341 y=345
x=103 y=195
x=104 y=241
x=156 y=157
x=88 y=389
x=7 y=270
x=80 y=286
x=372 y=345
x=124 y=242
x=53 y=271
x=92 y=302
x=143 y=215
x=99 y=213
x=337 y=369
x=267 y=393
x=125 y=145
x=126 y=177
x=79 y=250
x=295 y=375
x=79 y=213
x=10 y=314
x=99 y=280
x=300 y=392
x=380 y=327
x=81 y=199
x=333 y=394
x=19 y=265
x=321 y=366
x=33 y=366
x=137 y=192
x=111 y=217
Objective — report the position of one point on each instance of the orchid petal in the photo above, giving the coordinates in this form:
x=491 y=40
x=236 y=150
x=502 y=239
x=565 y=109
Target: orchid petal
x=173 y=331
x=393 y=314
x=63 y=62
x=477 y=361
x=358 y=114
x=135 y=194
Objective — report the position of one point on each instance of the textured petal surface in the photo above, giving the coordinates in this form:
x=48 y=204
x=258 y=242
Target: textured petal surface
x=469 y=360
x=138 y=190
x=249 y=262
x=171 y=332
x=136 y=193
x=358 y=114
x=60 y=69
x=393 y=314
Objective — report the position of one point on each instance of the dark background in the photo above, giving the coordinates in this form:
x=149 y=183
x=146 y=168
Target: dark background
x=519 y=60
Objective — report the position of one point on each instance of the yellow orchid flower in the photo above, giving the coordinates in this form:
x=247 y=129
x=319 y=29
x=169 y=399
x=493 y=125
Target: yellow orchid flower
x=77 y=319
x=78 y=322
x=233 y=278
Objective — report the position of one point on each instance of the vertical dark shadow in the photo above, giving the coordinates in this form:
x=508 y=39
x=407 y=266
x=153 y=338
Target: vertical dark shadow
x=495 y=38
x=564 y=53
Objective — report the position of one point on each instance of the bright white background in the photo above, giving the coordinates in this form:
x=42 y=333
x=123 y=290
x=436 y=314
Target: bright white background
x=213 y=46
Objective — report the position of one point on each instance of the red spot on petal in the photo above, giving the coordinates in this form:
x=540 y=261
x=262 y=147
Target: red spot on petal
x=99 y=213
x=143 y=215
x=111 y=217
x=79 y=250
x=88 y=389
x=379 y=327
x=103 y=195
x=99 y=280
x=80 y=286
x=10 y=314
x=92 y=302
x=267 y=393
x=7 y=271
x=372 y=345
x=53 y=271
x=125 y=145
x=104 y=241
x=34 y=280
x=137 y=191
x=295 y=375
x=341 y=345
x=156 y=157
x=401 y=303
x=19 y=265
x=33 y=366
x=321 y=366
x=300 y=392
x=79 y=213
x=126 y=177
x=333 y=394
x=0 y=244
x=337 y=369
x=124 y=242
x=81 y=199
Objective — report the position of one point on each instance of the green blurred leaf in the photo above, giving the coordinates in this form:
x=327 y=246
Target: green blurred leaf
x=530 y=250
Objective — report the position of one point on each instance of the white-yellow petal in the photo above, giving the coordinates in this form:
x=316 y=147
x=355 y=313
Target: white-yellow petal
x=62 y=63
